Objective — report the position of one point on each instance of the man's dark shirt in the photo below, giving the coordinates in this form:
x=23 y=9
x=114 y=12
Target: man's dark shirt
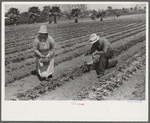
x=103 y=45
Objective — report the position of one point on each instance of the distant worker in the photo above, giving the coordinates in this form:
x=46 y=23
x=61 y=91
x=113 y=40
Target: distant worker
x=105 y=52
x=44 y=48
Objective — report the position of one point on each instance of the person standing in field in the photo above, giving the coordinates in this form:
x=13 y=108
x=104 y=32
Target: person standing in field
x=44 y=49
x=105 y=52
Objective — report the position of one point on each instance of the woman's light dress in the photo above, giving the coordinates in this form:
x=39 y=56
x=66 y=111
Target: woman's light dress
x=45 y=48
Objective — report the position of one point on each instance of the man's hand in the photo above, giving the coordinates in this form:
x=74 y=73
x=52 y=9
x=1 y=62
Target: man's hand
x=96 y=53
x=95 y=56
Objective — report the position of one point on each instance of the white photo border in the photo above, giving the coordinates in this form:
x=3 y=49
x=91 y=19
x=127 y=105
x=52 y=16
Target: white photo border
x=63 y=110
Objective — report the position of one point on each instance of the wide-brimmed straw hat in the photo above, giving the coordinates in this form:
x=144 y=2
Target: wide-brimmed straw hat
x=43 y=29
x=93 y=38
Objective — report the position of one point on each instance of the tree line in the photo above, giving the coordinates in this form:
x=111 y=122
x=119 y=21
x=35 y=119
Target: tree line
x=68 y=11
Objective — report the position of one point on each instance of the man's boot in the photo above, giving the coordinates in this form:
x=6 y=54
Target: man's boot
x=101 y=78
x=112 y=64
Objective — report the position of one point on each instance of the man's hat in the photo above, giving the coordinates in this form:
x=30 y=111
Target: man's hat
x=94 y=38
x=43 y=29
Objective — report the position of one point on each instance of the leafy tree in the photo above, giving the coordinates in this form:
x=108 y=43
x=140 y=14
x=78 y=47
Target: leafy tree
x=66 y=15
x=55 y=11
x=34 y=13
x=101 y=14
x=25 y=14
x=69 y=7
x=123 y=9
x=139 y=7
x=94 y=12
x=13 y=15
x=131 y=8
x=136 y=8
x=92 y=17
x=81 y=7
x=115 y=12
x=75 y=13
x=109 y=8
x=45 y=12
x=67 y=10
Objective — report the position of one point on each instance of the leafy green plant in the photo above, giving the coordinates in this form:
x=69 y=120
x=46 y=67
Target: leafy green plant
x=55 y=11
x=34 y=13
x=13 y=15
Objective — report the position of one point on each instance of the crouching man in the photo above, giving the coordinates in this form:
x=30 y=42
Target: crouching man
x=105 y=52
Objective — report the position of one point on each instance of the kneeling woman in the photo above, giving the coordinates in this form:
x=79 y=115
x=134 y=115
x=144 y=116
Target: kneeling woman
x=44 y=48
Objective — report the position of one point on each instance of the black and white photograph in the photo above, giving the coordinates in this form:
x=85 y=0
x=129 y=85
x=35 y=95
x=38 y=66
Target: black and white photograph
x=81 y=53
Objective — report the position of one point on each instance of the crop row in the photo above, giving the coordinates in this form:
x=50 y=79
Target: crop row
x=65 y=36
x=25 y=42
x=60 y=36
x=23 y=45
x=58 y=29
x=114 y=80
x=17 y=66
x=86 y=31
x=59 y=33
x=104 y=32
x=20 y=56
x=13 y=50
x=17 y=74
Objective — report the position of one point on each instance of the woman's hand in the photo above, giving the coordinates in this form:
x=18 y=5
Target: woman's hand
x=48 y=56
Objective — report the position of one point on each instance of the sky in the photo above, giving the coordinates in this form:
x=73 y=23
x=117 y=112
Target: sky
x=24 y=7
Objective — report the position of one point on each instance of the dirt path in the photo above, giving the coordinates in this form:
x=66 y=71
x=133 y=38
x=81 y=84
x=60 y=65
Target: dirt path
x=70 y=90
x=133 y=89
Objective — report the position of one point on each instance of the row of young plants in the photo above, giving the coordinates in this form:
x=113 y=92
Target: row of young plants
x=80 y=51
x=61 y=37
x=20 y=52
x=37 y=91
x=20 y=46
x=17 y=43
x=13 y=34
x=102 y=32
x=96 y=29
x=66 y=57
x=26 y=70
x=17 y=57
x=20 y=35
x=28 y=46
x=17 y=66
x=80 y=32
x=58 y=34
x=100 y=91
x=114 y=39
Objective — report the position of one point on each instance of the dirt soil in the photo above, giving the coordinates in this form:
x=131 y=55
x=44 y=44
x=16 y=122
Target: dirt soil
x=133 y=89
x=74 y=86
x=70 y=90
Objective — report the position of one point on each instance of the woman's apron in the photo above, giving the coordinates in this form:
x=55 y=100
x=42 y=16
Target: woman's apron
x=47 y=68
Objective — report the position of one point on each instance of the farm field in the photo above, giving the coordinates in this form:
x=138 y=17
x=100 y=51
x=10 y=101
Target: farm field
x=127 y=36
